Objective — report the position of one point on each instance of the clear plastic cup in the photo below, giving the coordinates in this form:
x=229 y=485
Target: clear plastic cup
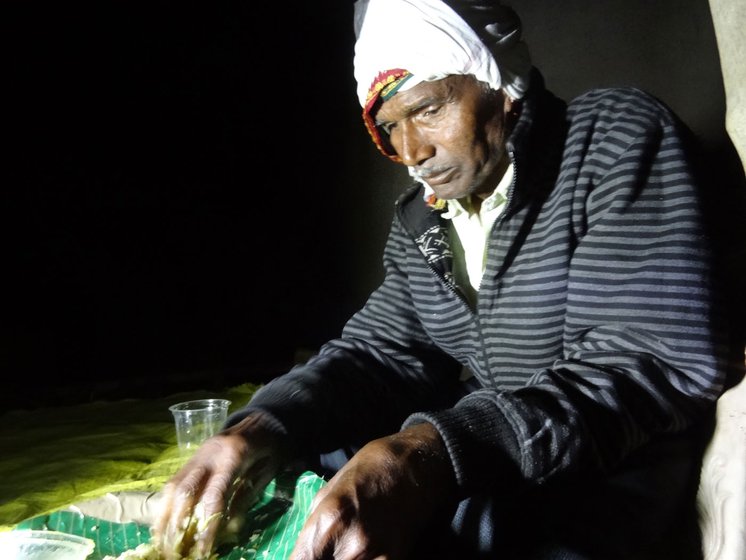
x=198 y=420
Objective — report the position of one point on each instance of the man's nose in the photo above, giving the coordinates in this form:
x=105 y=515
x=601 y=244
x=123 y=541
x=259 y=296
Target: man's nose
x=415 y=148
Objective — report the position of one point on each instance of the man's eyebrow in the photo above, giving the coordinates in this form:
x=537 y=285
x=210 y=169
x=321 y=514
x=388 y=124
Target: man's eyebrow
x=418 y=105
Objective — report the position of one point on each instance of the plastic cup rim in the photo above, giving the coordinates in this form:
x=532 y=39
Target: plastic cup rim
x=200 y=404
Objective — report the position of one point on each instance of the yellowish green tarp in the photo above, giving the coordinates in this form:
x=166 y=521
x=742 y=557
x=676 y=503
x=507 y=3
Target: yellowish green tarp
x=55 y=457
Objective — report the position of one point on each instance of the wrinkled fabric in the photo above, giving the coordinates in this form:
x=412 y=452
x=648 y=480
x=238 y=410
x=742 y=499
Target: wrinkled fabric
x=431 y=41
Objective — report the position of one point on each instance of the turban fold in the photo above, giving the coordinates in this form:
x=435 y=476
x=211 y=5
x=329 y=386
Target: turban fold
x=400 y=43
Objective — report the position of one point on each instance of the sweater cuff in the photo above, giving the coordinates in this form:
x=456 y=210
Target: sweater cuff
x=481 y=445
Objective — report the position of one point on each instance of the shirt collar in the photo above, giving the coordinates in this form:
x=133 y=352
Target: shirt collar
x=498 y=197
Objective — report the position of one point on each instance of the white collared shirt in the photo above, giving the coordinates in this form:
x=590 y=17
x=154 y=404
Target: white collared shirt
x=472 y=229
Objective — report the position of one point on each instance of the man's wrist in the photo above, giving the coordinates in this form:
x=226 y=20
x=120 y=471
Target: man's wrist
x=430 y=458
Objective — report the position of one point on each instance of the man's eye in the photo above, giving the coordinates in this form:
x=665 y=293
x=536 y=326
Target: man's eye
x=386 y=128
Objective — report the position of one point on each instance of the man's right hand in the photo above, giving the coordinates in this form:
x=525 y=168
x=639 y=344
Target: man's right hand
x=214 y=489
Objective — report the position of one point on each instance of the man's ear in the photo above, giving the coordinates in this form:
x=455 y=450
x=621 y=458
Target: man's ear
x=508 y=103
x=512 y=108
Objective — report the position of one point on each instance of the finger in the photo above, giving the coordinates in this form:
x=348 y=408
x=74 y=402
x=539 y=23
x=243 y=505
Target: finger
x=205 y=528
x=165 y=508
x=319 y=497
x=178 y=530
x=210 y=513
x=163 y=511
x=245 y=492
x=159 y=529
x=325 y=531
x=243 y=497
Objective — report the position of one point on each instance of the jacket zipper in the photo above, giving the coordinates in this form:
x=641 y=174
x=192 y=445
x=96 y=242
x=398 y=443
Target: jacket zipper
x=498 y=222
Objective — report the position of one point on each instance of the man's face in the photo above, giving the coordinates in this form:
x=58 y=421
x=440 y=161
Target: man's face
x=451 y=132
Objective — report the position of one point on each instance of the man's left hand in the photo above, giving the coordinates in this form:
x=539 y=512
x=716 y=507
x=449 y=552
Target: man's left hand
x=376 y=506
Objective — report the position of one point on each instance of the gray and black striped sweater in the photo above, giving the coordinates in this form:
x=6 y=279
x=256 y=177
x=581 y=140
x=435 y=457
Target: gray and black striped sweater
x=595 y=330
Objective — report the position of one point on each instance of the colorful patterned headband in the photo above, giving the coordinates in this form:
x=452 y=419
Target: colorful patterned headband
x=384 y=86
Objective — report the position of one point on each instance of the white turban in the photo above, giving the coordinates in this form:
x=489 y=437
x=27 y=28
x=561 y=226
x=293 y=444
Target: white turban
x=427 y=40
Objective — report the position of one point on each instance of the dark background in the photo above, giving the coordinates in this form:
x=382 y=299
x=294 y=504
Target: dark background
x=190 y=197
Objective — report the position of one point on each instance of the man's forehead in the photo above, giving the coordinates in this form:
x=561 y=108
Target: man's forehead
x=423 y=94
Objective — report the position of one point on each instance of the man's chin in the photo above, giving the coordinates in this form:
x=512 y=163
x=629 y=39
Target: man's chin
x=446 y=192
